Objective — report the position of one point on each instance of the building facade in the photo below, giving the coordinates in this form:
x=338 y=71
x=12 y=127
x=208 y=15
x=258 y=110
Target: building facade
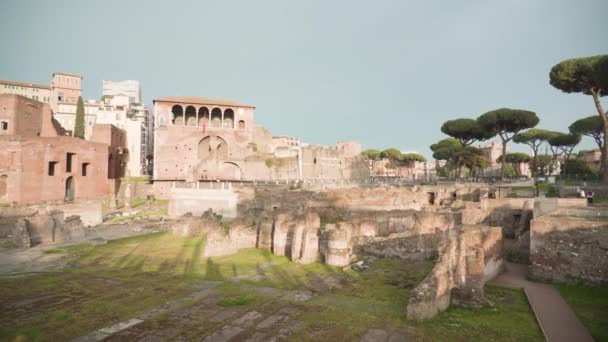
x=134 y=119
x=131 y=88
x=65 y=88
x=38 y=92
x=198 y=139
x=38 y=163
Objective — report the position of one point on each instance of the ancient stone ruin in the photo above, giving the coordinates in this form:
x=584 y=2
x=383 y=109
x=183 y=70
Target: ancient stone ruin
x=338 y=226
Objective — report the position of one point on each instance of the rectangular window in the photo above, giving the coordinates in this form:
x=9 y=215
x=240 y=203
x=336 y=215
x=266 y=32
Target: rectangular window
x=85 y=167
x=68 y=162
x=4 y=125
x=52 y=168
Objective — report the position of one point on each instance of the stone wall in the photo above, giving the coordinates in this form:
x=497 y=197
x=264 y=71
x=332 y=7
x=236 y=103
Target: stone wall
x=467 y=258
x=23 y=227
x=198 y=201
x=569 y=249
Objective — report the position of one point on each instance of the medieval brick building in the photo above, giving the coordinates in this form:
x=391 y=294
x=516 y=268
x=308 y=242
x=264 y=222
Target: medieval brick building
x=39 y=163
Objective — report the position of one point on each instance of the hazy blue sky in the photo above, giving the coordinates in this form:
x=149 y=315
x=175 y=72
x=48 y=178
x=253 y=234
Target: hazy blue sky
x=385 y=73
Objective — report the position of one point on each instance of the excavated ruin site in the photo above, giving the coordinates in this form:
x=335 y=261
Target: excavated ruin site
x=376 y=263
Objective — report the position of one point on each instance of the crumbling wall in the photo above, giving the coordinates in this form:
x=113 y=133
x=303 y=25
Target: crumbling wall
x=569 y=249
x=467 y=258
x=23 y=227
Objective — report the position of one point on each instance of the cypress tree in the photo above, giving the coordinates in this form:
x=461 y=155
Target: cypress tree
x=79 y=123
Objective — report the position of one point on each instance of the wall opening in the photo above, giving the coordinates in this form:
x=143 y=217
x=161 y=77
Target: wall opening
x=3 y=188
x=69 y=189
x=68 y=161
x=241 y=124
x=177 y=117
x=431 y=198
x=111 y=166
x=216 y=117
x=4 y=125
x=190 y=116
x=203 y=117
x=85 y=169
x=228 y=118
x=51 y=171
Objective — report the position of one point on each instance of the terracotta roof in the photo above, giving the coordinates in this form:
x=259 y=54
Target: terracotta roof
x=25 y=84
x=66 y=74
x=201 y=100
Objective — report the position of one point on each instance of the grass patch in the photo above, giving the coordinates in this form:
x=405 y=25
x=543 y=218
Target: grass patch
x=117 y=281
x=234 y=301
x=511 y=320
x=55 y=251
x=590 y=305
x=137 y=201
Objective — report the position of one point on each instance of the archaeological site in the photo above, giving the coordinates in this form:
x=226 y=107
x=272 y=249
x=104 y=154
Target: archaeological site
x=319 y=171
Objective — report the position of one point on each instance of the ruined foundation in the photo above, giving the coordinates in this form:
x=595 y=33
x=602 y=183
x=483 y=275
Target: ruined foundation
x=337 y=226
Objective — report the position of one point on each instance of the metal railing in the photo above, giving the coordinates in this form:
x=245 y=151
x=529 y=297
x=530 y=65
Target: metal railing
x=552 y=208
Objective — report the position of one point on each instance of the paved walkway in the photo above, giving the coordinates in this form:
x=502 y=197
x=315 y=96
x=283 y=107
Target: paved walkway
x=557 y=320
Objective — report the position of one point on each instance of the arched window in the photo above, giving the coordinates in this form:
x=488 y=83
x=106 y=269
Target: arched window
x=190 y=116
x=161 y=121
x=177 y=115
x=228 y=118
x=216 y=117
x=241 y=124
x=203 y=116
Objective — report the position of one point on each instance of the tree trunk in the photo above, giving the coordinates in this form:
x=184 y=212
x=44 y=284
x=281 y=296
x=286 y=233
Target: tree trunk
x=604 y=159
x=503 y=162
x=604 y=151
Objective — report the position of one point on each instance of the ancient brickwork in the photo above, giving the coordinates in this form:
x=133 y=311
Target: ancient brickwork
x=467 y=258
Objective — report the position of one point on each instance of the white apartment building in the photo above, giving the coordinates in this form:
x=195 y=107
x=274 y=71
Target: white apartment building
x=134 y=119
x=130 y=88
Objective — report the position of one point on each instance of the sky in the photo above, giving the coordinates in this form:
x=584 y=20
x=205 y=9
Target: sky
x=384 y=73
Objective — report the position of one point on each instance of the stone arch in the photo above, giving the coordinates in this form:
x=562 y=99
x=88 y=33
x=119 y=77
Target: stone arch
x=190 y=116
x=216 y=117
x=212 y=148
x=228 y=121
x=177 y=115
x=204 y=148
x=230 y=171
x=241 y=124
x=222 y=148
x=203 y=116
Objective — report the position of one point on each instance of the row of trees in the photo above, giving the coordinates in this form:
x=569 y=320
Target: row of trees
x=395 y=158
x=583 y=75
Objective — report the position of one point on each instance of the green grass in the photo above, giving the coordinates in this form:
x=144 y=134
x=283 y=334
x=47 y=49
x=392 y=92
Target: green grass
x=55 y=251
x=590 y=305
x=109 y=283
x=234 y=301
x=511 y=320
x=137 y=201
x=378 y=299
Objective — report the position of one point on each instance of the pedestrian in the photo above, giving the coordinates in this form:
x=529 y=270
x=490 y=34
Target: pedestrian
x=590 y=195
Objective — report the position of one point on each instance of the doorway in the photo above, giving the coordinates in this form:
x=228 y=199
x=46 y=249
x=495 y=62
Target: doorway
x=69 y=189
